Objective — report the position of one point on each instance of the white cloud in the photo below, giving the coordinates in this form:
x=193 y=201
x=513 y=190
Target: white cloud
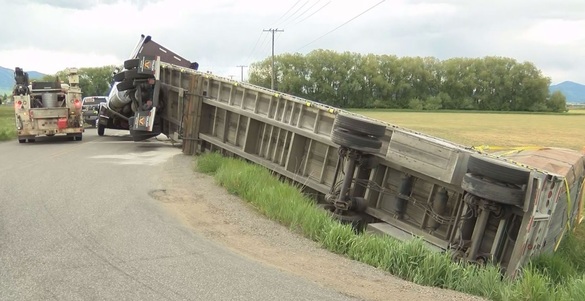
x=50 y=62
x=222 y=34
x=558 y=32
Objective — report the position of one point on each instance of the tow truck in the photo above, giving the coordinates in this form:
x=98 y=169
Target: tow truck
x=47 y=108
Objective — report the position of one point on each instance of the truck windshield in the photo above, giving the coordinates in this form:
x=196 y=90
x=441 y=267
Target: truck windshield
x=93 y=100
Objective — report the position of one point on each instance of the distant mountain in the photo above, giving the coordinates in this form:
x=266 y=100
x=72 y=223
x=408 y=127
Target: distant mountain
x=7 y=78
x=574 y=92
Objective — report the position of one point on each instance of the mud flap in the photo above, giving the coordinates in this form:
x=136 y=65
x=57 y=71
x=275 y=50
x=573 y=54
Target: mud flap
x=141 y=125
x=144 y=120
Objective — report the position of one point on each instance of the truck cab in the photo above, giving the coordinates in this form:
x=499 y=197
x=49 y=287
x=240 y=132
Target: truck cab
x=136 y=99
x=90 y=107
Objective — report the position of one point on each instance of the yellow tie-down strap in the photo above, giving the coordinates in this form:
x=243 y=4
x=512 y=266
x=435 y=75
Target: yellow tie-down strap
x=581 y=199
x=510 y=150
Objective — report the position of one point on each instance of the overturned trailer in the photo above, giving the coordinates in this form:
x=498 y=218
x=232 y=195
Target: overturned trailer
x=504 y=208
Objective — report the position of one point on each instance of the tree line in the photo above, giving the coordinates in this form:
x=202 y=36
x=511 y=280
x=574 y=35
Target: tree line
x=353 y=80
x=93 y=81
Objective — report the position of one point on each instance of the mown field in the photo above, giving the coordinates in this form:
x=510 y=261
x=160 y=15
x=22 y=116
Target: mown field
x=494 y=129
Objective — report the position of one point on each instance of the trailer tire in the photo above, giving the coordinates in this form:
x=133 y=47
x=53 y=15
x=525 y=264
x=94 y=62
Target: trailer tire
x=498 y=170
x=31 y=140
x=125 y=85
x=353 y=218
x=120 y=76
x=21 y=140
x=350 y=140
x=131 y=63
x=101 y=129
x=492 y=190
x=359 y=125
x=134 y=74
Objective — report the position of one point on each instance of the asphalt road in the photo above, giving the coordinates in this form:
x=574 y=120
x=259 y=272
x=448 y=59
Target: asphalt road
x=77 y=223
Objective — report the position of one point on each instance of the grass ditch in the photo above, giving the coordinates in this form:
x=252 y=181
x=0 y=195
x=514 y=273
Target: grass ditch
x=7 y=127
x=555 y=277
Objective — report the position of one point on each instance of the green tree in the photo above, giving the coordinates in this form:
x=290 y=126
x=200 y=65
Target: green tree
x=557 y=102
x=386 y=81
x=94 y=81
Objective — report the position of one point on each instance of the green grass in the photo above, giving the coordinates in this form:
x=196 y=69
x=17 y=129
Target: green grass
x=7 y=127
x=543 y=280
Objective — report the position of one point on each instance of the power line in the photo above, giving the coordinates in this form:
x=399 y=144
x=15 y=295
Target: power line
x=254 y=48
x=303 y=13
x=273 y=71
x=300 y=7
x=289 y=10
x=278 y=37
x=305 y=18
x=336 y=28
x=264 y=41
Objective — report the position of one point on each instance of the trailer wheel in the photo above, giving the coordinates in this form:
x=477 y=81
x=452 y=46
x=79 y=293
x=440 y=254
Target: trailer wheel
x=21 y=140
x=101 y=129
x=497 y=170
x=119 y=76
x=125 y=85
x=350 y=140
x=132 y=63
x=355 y=219
x=492 y=190
x=31 y=140
x=134 y=74
x=359 y=125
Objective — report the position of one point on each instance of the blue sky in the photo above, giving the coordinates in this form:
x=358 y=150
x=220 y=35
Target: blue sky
x=48 y=36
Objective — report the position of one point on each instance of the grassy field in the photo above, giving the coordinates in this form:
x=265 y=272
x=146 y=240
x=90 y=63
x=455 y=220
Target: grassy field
x=7 y=127
x=494 y=129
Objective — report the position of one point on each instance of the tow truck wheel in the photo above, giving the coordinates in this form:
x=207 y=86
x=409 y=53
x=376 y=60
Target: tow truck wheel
x=359 y=125
x=101 y=129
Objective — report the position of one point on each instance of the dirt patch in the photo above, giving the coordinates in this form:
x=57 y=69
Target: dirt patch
x=211 y=211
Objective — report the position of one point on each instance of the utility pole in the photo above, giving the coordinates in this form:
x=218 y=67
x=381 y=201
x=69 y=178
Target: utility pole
x=273 y=79
x=241 y=72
